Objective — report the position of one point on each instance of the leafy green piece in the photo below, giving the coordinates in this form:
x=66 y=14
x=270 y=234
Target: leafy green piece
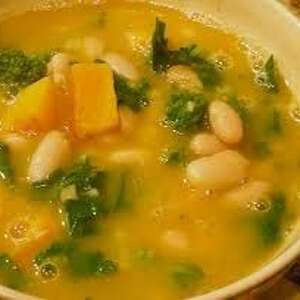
x=185 y=111
x=6 y=171
x=83 y=175
x=241 y=108
x=85 y=264
x=268 y=77
x=10 y=273
x=160 y=51
x=269 y=223
x=144 y=256
x=115 y=190
x=186 y=275
x=18 y=70
x=173 y=157
x=274 y=124
x=163 y=58
x=56 y=249
x=261 y=149
x=79 y=263
x=135 y=96
x=82 y=215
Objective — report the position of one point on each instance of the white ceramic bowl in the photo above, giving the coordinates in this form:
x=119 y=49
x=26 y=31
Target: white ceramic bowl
x=266 y=23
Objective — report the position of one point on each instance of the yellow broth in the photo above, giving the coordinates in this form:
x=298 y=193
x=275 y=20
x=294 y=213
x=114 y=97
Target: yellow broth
x=210 y=232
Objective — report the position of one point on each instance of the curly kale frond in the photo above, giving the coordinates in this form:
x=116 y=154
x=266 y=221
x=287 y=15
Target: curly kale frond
x=163 y=58
x=185 y=111
x=18 y=69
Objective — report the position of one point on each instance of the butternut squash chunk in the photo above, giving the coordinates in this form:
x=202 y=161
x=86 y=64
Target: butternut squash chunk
x=95 y=101
x=35 y=108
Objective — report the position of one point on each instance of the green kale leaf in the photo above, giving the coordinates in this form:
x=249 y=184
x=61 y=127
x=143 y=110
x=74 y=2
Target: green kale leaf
x=185 y=111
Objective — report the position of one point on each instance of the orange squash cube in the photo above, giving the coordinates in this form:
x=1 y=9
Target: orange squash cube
x=35 y=108
x=95 y=101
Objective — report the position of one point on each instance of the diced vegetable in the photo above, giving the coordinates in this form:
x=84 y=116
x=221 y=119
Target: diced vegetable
x=185 y=111
x=163 y=58
x=268 y=77
x=18 y=70
x=35 y=108
x=186 y=275
x=10 y=273
x=37 y=234
x=135 y=96
x=6 y=171
x=95 y=101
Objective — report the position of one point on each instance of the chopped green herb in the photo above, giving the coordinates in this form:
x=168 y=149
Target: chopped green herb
x=17 y=69
x=163 y=58
x=115 y=191
x=135 y=96
x=85 y=264
x=80 y=263
x=83 y=175
x=160 y=51
x=241 y=108
x=173 y=157
x=144 y=256
x=269 y=223
x=186 y=276
x=261 y=149
x=10 y=273
x=268 y=78
x=56 y=249
x=274 y=124
x=82 y=215
x=6 y=171
x=185 y=111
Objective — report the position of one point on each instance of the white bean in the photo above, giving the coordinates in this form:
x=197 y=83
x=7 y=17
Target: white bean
x=249 y=194
x=50 y=155
x=206 y=144
x=184 y=77
x=225 y=122
x=121 y=65
x=175 y=239
x=59 y=68
x=129 y=156
x=93 y=47
x=219 y=171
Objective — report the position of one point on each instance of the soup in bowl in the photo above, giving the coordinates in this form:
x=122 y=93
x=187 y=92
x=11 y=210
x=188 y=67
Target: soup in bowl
x=145 y=153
